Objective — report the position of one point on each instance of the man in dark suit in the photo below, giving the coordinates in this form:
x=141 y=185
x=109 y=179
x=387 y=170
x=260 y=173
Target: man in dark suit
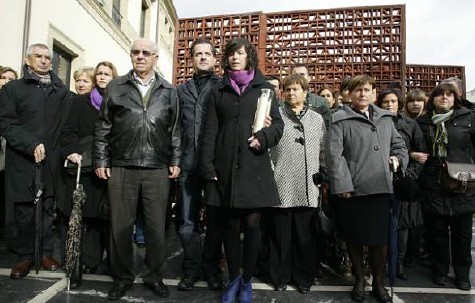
x=32 y=111
x=193 y=96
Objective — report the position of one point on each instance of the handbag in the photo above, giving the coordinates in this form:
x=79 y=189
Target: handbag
x=325 y=224
x=457 y=177
x=405 y=186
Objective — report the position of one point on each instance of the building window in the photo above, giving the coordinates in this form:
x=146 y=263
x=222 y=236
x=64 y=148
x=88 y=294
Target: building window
x=116 y=16
x=62 y=65
x=143 y=19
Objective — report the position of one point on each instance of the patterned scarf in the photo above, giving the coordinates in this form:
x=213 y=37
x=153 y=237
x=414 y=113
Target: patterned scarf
x=439 y=146
x=45 y=80
x=240 y=79
x=96 y=98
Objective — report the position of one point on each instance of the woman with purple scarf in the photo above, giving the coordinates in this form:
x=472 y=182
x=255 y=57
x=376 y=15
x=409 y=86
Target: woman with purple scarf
x=76 y=147
x=237 y=161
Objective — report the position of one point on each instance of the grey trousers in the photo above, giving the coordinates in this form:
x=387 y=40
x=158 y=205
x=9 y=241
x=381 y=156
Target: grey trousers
x=126 y=185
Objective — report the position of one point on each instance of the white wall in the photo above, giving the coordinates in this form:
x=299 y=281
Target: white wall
x=134 y=14
x=11 y=23
x=165 y=42
x=73 y=26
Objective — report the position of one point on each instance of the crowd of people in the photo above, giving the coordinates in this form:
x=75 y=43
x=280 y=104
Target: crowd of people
x=336 y=153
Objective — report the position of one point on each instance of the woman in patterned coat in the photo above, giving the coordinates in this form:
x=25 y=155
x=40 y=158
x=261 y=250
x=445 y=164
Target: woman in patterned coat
x=296 y=158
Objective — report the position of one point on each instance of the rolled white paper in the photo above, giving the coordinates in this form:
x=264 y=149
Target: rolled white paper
x=263 y=109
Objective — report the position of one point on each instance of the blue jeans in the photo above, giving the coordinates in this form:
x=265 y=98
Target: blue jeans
x=189 y=211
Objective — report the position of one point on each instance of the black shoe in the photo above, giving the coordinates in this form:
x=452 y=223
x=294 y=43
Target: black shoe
x=320 y=272
x=381 y=294
x=186 y=284
x=357 y=294
x=159 y=289
x=401 y=271
x=118 y=291
x=303 y=289
x=441 y=281
x=90 y=270
x=410 y=262
x=463 y=285
x=214 y=283
x=280 y=287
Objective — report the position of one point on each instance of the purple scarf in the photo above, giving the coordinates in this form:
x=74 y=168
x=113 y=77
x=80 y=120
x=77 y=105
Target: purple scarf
x=240 y=79
x=96 y=99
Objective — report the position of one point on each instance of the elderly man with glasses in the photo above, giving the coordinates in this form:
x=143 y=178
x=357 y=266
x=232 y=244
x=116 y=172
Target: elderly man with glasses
x=138 y=149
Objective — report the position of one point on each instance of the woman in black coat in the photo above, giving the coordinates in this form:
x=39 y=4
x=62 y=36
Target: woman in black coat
x=76 y=146
x=410 y=214
x=238 y=160
x=449 y=131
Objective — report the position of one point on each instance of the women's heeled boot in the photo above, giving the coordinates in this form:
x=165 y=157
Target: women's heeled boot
x=232 y=290
x=246 y=292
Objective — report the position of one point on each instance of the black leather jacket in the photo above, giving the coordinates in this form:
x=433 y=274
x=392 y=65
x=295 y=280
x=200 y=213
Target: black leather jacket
x=129 y=134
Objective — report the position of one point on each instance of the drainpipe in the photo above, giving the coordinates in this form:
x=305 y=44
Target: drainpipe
x=26 y=30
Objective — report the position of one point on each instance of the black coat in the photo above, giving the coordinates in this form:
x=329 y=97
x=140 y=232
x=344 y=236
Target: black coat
x=131 y=134
x=80 y=125
x=193 y=111
x=245 y=176
x=31 y=114
x=460 y=149
x=413 y=137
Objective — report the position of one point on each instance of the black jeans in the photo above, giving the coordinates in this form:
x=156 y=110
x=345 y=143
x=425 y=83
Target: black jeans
x=213 y=243
x=126 y=185
x=449 y=236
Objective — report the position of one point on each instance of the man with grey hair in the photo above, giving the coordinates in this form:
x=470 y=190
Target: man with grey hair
x=137 y=148
x=32 y=111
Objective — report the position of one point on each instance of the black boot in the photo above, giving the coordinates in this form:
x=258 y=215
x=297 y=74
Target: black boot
x=401 y=271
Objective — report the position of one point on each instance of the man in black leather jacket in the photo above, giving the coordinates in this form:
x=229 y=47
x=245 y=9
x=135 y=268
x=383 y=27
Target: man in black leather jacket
x=137 y=147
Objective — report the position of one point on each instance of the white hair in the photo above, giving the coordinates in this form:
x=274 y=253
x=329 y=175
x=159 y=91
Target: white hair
x=29 y=50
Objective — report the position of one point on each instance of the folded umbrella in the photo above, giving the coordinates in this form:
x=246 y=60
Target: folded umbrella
x=38 y=201
x=395 y=206
x=73 y=241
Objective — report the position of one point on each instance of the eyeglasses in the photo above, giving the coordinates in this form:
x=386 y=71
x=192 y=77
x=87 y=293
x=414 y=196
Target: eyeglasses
x=146 y=53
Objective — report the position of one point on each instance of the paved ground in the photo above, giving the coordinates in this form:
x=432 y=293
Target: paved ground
x=51 y=286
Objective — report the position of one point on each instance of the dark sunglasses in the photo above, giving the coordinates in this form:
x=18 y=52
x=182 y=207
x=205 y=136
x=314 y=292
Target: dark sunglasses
x=146 y=53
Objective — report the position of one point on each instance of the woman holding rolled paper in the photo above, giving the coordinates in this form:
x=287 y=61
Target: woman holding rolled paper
x=234 y=154
x=449 y=131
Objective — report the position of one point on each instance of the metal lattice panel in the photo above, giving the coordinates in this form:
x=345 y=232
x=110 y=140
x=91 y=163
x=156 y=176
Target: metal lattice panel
x=333 y=43
x=338 y=43
x=219 y=29
x=427 y=77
